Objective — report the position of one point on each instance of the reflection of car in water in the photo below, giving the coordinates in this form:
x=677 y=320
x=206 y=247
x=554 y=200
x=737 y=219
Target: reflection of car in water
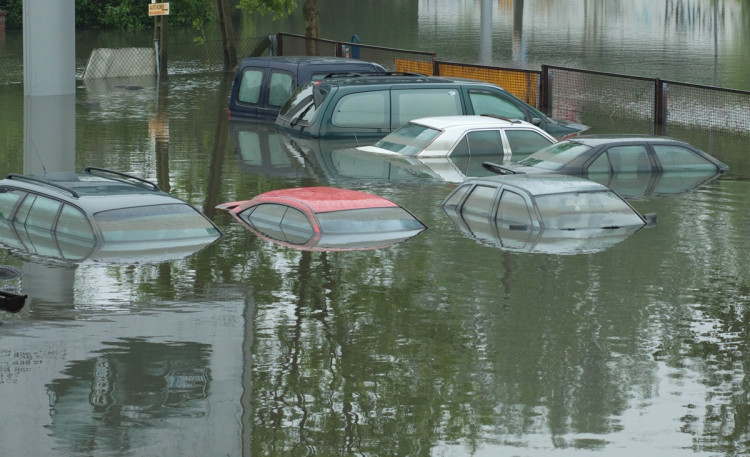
x=542 y=213
x=325 y=219
x=98 y=215
x=262 y=149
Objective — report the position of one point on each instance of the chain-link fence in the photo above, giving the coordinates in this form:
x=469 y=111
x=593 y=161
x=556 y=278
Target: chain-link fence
x=628 y=102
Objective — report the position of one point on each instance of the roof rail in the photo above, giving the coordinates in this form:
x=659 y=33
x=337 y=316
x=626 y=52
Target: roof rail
x=502 y=118
x=45 y=182
x=122 y=176
x=355 y=74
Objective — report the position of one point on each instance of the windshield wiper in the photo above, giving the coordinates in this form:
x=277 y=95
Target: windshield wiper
x=302 y=113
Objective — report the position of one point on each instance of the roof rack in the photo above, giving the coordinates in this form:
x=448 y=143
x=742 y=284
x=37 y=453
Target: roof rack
x=123 y=176
x=355 y=74
x=45 y=182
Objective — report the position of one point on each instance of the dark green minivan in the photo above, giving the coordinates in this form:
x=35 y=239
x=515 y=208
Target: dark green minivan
x=373 y=106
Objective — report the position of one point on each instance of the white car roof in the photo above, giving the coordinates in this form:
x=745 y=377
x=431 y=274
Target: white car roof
x=443 y=122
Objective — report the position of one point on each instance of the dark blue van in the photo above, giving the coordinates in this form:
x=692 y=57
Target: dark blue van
x=263 y=84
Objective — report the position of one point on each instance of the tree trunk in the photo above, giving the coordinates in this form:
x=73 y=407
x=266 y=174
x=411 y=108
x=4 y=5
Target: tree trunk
x=312 y=26
x=227 y=34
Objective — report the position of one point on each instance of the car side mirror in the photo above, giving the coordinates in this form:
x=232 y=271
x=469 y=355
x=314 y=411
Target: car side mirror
x=650 y=219
x=536 y=121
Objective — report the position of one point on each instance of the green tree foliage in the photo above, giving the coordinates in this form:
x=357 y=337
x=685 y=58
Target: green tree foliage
x=279 y=8
x=121 y=14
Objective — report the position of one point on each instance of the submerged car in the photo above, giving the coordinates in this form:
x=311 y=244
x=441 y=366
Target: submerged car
x=100 y=215
x=262 y=84
x=613 y=154
x=325 y=219
x=528 y=212
x=375 y=105
x=463 y=136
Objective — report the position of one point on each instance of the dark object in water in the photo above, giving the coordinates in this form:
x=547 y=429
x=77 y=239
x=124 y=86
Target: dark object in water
x=8 y=272
x=11 y=302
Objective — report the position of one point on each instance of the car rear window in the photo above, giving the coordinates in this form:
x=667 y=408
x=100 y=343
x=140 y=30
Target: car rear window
x=368 y=220
x=252 y=79
x=678 y=158
x=580 y=210
x=555 y=156
x=526 y=141
x=279 y=87
x=409 y=139
x=303 y=103
x=157 y=222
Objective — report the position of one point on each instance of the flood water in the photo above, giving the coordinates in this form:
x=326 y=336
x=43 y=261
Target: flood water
x=442 y=345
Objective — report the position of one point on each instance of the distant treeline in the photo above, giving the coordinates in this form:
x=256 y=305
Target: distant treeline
x=120 y=14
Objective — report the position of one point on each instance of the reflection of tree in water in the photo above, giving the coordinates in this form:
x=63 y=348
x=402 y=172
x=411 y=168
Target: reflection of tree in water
x=131 y=384
x=721 y=347
x=350 y=347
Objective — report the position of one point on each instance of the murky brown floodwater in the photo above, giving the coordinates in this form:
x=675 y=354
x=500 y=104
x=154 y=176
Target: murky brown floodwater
x=440 y=345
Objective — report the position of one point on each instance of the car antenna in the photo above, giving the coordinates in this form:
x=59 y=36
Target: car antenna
x=38 y=156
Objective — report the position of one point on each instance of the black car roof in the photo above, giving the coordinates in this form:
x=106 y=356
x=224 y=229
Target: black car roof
x=596 y=140
x=303 y=60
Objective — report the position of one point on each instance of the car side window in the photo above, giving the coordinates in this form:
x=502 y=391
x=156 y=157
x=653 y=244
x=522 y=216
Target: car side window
x=252 y=80
x=296 y=226
x=408 y=104
x=279 y=87
x=485 y=143
x=525 y=141
x=8 y=199
x=457 y=196
x=363 y=110
x=265 y=213
x=629 y=159
x=600 y=165
x=678 y=158
x=480 y=200
x=43 y=213
x=488 y=103
x=74 y=223
x=512 y=209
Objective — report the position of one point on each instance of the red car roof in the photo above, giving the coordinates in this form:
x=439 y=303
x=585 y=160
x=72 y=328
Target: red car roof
x=325 y=199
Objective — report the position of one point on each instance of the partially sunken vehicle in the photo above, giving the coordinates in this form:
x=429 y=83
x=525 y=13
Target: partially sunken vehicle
x=463 y=136
x=375 y=105
x=543 y=213
x=99 y=215
x=262 y=84
x=325 y=219
x=590 y=155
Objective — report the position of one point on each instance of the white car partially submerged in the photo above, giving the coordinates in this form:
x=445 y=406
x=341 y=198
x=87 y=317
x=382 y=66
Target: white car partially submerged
x=463 y=136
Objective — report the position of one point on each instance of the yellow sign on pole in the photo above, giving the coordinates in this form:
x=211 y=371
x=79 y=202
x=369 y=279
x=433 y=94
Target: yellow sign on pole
x=158 y=9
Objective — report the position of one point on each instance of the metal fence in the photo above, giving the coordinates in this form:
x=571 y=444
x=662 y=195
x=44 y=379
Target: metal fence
x=566 y=93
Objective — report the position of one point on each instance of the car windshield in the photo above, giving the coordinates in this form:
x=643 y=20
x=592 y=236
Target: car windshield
x=582 y=210
x=368 y=220
x=554 y=156
x=303 y=103
x=151 y=223
x=408 y=140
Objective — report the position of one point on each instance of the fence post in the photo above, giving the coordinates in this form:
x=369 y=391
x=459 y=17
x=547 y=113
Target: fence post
x=660 y=104
x=544 y=101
